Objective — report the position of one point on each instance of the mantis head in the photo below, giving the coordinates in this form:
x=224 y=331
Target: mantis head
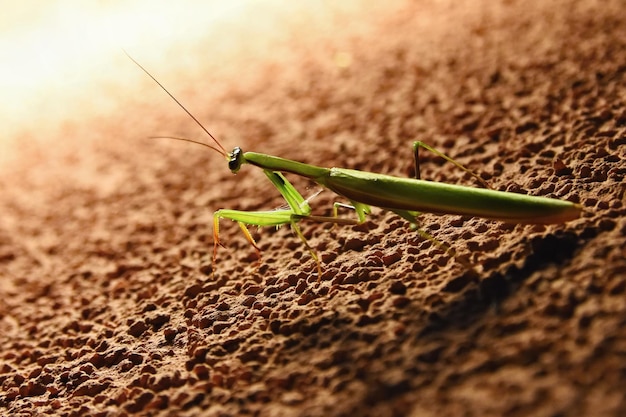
x=235 y=159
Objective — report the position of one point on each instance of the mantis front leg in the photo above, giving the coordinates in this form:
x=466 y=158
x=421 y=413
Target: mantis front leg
x=298 y=209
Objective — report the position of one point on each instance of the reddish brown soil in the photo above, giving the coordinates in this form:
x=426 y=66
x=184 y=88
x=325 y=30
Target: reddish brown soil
x=108 y=305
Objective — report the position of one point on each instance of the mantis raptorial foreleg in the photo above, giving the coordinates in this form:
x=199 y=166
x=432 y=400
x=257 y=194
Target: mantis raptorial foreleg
x=263 y=218
x=298 y=209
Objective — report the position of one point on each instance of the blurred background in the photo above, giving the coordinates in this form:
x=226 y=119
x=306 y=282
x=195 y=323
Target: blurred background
x=63 y=61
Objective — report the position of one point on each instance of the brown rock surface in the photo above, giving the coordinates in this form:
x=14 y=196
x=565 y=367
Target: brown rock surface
x=107 y=301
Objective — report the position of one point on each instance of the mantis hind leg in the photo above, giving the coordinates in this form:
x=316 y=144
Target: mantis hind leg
x=419 y=144
x=411 y=216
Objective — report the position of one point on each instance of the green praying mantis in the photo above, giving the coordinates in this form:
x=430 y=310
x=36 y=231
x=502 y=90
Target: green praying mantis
x=406 y=197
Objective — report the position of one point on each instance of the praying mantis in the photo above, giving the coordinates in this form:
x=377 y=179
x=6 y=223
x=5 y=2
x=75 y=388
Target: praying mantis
x=406 y=197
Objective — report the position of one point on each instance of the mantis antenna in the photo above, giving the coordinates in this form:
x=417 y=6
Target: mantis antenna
x=219 y=149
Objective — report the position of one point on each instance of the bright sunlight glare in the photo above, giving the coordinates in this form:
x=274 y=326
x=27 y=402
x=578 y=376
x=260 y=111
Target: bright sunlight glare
x=63 y=61
x=50 y=52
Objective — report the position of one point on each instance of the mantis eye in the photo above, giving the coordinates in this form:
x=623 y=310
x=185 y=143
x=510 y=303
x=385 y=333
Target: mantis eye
x=234 y=163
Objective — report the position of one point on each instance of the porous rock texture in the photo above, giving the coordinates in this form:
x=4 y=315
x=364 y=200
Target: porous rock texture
x=110 y=303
